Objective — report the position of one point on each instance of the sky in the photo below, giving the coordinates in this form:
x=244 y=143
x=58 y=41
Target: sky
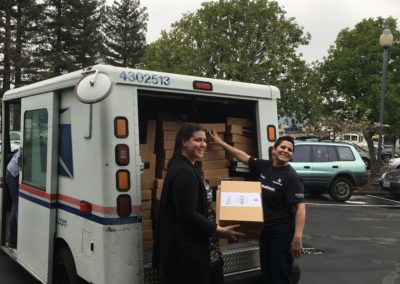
x=323 y=19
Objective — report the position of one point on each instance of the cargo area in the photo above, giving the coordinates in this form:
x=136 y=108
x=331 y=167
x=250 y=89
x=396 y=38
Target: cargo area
x=160 y=116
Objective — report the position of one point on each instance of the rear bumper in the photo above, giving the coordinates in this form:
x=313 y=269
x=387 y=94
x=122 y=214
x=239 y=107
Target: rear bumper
x=360 y=179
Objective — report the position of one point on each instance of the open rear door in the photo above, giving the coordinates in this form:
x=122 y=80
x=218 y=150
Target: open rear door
x=38 y=184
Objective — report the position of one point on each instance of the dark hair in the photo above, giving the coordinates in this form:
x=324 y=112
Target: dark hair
x=185 y=133
x=284 y=138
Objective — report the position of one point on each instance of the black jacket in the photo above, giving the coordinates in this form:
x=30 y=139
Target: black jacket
x=181 y=244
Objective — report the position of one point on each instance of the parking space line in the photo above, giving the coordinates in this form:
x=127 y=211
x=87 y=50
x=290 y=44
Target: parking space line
x=374 y=196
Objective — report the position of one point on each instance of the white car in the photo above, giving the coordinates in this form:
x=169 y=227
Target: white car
x=394 y=163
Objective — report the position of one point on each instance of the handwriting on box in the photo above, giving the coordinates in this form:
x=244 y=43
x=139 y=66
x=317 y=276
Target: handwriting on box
x=240 y=199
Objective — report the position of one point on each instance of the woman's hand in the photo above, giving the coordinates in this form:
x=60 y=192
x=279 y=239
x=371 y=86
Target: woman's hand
x=229 y=231
x=297 y=247
x=215 y=137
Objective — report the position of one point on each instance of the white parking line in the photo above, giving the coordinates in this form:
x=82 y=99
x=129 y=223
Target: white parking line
x=352 y=205
x=374 y=196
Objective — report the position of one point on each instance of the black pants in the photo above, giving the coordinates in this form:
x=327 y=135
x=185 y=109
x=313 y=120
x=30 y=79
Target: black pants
x=276 y=258
x=217 y=273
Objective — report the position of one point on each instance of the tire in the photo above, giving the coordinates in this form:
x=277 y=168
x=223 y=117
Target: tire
x=341 y=189
x=367 y=163
x=64 y=271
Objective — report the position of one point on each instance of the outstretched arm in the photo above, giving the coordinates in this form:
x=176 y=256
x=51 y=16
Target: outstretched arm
x=238 y=154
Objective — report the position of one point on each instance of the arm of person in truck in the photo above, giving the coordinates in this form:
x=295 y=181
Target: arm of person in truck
x=238 y=154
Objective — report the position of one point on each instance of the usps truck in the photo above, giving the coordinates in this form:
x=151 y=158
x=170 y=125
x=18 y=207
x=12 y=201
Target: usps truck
x=82 y=213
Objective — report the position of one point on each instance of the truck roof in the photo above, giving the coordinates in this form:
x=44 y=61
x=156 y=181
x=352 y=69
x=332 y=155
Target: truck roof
x=147 y=80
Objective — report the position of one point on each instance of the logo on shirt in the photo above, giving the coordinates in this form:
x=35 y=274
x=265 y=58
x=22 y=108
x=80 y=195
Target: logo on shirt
x=278 y=182
x=268 y=187
x=299 y=195
x=262 y=176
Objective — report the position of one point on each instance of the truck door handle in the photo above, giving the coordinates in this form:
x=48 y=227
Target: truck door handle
x=307 y=167
x=335 y=167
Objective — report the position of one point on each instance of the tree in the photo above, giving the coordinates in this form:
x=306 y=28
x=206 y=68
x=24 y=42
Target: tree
x=351 y=75
x=7 y=6
x=124 y=31
x=86 y=40
x=249 y=41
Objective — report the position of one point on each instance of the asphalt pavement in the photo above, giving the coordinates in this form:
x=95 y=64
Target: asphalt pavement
x=356 y=242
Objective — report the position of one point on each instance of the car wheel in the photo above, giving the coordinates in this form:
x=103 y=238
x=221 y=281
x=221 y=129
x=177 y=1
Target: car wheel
x=64 y=267
x=341 y=189
x=367 y=163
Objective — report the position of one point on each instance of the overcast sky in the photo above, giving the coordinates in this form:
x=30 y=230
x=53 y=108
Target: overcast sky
x=323 y=19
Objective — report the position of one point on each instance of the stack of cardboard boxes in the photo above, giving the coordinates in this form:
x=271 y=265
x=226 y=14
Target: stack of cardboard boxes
x=147 y=182
x=160 y=139
x=241 y=134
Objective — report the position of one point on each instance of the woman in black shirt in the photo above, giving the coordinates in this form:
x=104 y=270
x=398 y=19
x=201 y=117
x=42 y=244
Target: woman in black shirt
x=283 y=208
x=185 y=245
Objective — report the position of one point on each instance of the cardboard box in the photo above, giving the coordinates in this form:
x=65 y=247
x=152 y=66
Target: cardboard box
x=147 y=225
x=241 y=130
x=170 y=125
x=169 y=135
x=144 y=150
x=168 y=145
x=147 y=235
x=146 y=214
x=158 y=183
x=147 y=244
x=245 y=122
x=146 y=194
x=241 y=139
x=214 y=155
x=146 y=183
x=213 y=164
x=212 y=146
x=219 y=127
x=217 y=173
x=150 y=173
x=151 y=135
x=146 y=204
x=239 y=202
x=157 y=193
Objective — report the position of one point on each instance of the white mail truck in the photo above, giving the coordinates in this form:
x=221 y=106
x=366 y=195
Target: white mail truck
x=82 y=214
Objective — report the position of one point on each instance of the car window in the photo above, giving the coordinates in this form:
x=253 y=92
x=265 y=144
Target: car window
x=320 y=153
x=332 y=154
x=302 y=153
x=345 y=154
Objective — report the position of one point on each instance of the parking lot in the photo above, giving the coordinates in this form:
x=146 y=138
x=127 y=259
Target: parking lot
x=357 y=241
x=354 y=242
x=350 y=243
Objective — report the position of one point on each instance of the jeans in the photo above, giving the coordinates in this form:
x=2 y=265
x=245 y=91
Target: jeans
x=276 y=258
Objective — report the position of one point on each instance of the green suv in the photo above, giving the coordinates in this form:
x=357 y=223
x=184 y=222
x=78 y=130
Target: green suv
x=329 y=166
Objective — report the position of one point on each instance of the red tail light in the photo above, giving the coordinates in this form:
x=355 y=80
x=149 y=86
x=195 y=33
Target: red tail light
x=85 y=207
x=124 y=205
x=122 y=154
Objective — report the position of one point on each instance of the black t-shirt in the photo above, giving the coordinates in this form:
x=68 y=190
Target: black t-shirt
x=281 y=190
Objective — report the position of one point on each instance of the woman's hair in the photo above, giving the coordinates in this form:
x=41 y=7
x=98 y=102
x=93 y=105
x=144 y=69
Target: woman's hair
x=284 y=138
x=185 y=133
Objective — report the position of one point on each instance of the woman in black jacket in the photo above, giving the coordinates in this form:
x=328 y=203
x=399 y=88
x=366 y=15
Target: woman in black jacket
x=185 y=246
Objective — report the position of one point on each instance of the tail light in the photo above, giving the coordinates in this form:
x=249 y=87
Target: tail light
x=271 y=133
x=122 y=154
x=123 y=180
x=121 y=127
x=124 y=205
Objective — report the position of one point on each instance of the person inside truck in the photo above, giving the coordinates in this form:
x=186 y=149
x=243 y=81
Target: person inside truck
x=185 y=246
x=283 y=206
x=12 y=175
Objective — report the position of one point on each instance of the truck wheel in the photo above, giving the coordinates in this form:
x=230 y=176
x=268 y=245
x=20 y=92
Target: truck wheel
x=64 y=271
x=341 y=189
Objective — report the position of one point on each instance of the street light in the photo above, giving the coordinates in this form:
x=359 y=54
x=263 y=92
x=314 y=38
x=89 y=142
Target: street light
x=386 y=41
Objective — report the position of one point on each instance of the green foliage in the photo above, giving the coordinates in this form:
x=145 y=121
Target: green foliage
x=351 y=79
x=351 y=74
x=241 y=40
x=124 y=30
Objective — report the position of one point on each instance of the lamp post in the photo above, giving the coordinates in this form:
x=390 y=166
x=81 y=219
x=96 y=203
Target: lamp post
x=386 y=41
